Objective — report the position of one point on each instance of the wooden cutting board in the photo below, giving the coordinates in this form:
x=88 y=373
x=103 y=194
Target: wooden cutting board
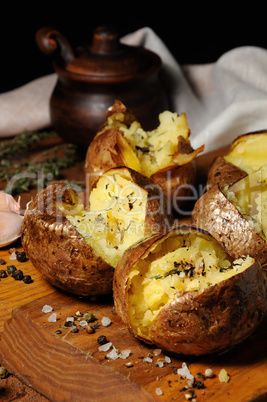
x=67 y=366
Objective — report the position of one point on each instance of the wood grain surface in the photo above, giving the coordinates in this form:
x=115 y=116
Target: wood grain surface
x=65 y=366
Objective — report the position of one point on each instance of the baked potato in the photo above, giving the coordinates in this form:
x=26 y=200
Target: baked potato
x=164 y=154
x=77 y=248
x=183 y=292
x=236 y=215
x=246 y=154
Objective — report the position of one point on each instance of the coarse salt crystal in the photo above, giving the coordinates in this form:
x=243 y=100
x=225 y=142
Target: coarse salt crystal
x=148 y=360
x=114 y=354
x=105 y=347
x=160 y=364
x=69 y=319
x=105 y=321
x=159 y=391
x=47 y=309
x=156 y=352
x=52 y=317
x=167 y=359
x=124 y=354
x=184 y=372
x=83 y=323
x=13 y=256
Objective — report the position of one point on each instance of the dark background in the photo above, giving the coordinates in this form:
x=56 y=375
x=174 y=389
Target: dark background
x=194 y=34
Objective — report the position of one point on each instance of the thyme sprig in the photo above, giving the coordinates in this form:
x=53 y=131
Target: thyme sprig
x=22 y=143
x=18 y=175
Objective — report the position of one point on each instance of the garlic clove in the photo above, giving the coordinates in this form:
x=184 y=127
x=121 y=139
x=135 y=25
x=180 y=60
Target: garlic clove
x=8 y=203
x=10 y=227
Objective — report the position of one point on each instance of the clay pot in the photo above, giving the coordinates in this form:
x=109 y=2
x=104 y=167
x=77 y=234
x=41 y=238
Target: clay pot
x=91 y=78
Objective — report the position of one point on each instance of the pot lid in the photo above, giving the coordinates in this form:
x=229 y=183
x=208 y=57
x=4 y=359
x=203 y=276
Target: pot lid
x=106 y=57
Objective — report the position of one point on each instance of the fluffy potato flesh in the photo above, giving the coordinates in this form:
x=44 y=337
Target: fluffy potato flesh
x=151 y=151
x=248 y=152
x=250 y=197
x=181 y=264
x=115 y=218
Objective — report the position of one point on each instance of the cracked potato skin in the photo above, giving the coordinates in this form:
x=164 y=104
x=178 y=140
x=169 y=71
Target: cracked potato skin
x=61 y=254
x=177 y=183
x=223 y=173
x=197 y=323
x=219 y=216
x=103 y=154
x=58 y=251
x=217 y=319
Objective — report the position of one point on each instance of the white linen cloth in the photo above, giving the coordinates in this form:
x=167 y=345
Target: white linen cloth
x=222 y=100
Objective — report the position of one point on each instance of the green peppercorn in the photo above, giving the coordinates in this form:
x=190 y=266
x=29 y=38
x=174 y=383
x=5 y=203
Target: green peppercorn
x=89 y=329
x=3 y=372
x=89 y=317
x=79 y=314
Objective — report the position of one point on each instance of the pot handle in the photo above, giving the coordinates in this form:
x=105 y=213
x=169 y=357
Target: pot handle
x=51 y=41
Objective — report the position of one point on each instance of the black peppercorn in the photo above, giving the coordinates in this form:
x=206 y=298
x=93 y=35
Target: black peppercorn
x=21 y=256
x=18 y=275
x=102 y=340
x=68 y=323
x=27 y=279
x=2 y=261
x=11 y=269
x=3 y=273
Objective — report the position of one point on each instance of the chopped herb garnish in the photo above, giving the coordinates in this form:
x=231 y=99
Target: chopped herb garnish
x=156 y=277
